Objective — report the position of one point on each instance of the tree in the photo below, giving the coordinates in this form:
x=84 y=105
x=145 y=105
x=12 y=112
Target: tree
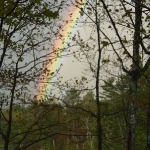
x=26 y=27
x=76 y=130
x=117 y=93
x=95 y=67
x=130 y=47
x=136 y=70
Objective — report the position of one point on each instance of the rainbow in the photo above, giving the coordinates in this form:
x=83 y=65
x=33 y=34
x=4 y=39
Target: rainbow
x=66 y=32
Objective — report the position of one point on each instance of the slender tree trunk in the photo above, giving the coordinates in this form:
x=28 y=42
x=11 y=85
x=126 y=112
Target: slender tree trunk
x=135 y=74
x=99 y=127
x=131 y=126
x=118 y=122
x=10 y=114
x=132 y=120
x=148 y=124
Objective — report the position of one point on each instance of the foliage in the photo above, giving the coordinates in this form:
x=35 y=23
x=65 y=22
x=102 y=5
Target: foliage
x=116 y=117
x=26 y=27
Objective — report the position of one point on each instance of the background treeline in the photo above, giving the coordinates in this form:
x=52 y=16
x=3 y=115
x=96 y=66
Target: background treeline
x=71 y=123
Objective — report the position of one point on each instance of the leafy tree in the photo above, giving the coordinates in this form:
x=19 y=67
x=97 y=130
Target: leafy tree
x=80 y=119
x=131 y=48
x=72 y=97
x=136 y=70
x=116 y=97
x=26 y=27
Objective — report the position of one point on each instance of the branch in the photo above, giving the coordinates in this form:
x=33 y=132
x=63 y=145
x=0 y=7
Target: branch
x=81 y=108
x=144 y=48
x=146 y=66
x=122 y=65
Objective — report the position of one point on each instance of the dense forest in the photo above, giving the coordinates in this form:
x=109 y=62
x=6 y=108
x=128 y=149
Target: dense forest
x=107 y=107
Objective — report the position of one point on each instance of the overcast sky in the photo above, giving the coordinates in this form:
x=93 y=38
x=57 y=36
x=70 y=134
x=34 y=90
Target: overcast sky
x=73 y=69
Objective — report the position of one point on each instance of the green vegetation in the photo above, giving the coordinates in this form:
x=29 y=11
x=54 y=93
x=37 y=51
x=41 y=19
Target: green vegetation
x=113 y=113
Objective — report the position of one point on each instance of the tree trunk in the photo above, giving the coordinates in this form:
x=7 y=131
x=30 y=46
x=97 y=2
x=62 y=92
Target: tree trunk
x=135 y=74
x=131 y=126
x=148 y=124
x=99 y=127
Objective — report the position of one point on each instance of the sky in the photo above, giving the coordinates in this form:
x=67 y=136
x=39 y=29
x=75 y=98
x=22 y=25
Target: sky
x=71 y=68
x=68 y=69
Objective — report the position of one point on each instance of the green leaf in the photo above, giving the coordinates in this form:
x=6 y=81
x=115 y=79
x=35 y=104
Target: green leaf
x=147 y=17
x=148 y=47
x=105 y=61
x=89 y=8
x=143 y=30
x=105 y=43
x=52 y=73
x=125 y=52
x=21 y=59
x=125 y=41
